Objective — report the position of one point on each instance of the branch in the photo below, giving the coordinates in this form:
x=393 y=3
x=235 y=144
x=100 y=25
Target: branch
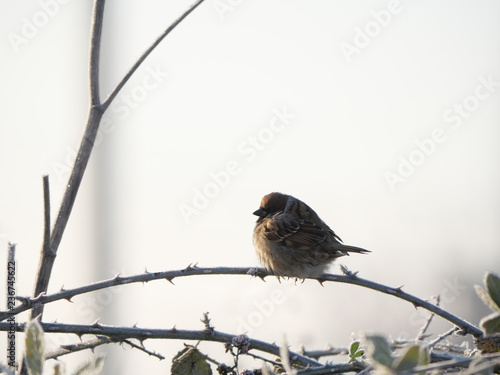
x=146 y=53
x=141 y=334
x=47 y=258
x=72 y=348
x=96 y=111
x=421 y=334
x=466 y=327
x=95 y=51
x=46 y=250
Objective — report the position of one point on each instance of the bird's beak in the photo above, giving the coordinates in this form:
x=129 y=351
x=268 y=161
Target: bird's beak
x=260 y=212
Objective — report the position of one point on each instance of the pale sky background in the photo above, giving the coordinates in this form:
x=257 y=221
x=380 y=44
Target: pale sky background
x=358 y=109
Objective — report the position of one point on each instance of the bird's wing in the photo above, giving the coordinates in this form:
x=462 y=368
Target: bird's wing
x=296 y=232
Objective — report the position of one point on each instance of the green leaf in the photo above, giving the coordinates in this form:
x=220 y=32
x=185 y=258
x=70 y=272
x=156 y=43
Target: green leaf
x=94 y=366
x=491 y=324
x=424 y=356
x=359 y=354
x=35 y=347
x=492 y=282
x=378 y=350
x=354 y=347
x=409 y=359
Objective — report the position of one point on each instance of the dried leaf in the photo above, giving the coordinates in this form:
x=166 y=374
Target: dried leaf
x=491 y=324
x=190 y=361
x=35 y=347
x=378 y=350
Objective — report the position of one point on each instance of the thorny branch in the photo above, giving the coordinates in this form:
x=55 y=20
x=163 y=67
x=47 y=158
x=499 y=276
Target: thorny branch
x=141 y=334
x=466 y=327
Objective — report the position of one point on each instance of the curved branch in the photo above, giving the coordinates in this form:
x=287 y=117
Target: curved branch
x=28 y=303
x=141 y=334
x=146 y=53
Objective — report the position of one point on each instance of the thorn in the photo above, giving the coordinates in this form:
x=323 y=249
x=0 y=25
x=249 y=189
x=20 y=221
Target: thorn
x=399 y=289
x=169 y=279
x=173 y=329
x=416 y=305
x=96 y=323
x=146 y=270
x=191 y=266
x=68 y=298
x=256 y=272
x=141 y=340
x=135 y=325
x=117 y=276
x=321 y=281
x=79 y=336
x=62 y=289
x=279 y=280
x=346 y=271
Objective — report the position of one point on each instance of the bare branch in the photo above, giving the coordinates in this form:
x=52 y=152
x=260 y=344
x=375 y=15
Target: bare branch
x=316 y=354
x=146 y=53
x=46 y=250
x=47 y=258
x=423 y=330
x=143 y=349
x=73 y=348
x=95 y=51
x=96 y=111
x=442 y=337
x=141 y=334
x=466 y=327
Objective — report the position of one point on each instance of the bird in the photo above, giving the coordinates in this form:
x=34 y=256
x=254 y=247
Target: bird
x=292 y=241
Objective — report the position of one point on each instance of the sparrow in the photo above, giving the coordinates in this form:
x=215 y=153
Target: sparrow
x=291 y=240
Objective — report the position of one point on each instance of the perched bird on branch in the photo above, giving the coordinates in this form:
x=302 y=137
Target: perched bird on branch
x=291 y=240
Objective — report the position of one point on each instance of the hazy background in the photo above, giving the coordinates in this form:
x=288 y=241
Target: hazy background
x=363 y=84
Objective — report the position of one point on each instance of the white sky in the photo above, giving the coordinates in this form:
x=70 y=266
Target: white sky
x=429 y=75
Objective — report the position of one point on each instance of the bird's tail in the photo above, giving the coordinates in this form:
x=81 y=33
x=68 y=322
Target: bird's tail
x=346 y=249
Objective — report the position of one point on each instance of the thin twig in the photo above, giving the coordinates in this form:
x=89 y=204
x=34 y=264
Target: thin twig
x=338 y=368
x=316 y=354
x=95 y=52
x=466 y=327
x=46 y=250
x=72 y=348
x=442 y=337
x=423 y=330
x=141 y=334
x=146 y=53
x=143 y=349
